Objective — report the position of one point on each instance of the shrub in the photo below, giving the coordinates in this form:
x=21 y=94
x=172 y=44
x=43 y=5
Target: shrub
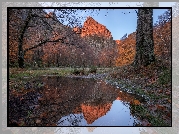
x=165 y=77
x=78 y=71
x=93 y=69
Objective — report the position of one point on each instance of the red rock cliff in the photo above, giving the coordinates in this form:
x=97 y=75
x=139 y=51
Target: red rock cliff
x=118 y=42
x=92 y=27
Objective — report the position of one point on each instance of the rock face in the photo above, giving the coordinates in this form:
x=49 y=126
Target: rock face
x=92 y=27
x=99 y=38
x=77 y=30
x=118 y=42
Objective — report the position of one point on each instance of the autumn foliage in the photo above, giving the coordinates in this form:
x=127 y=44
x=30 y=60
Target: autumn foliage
x=162 y=46
x=126 y=50
x=49 y=43
x=46 y=42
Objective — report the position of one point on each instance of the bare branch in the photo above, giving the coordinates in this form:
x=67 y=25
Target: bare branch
x=40 y=44
x=35 y=15
x=43 y=43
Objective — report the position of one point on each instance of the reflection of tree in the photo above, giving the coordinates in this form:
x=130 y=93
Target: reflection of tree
x=101 y=93
x=71 y=120
x=22 y=106
x=62 y=96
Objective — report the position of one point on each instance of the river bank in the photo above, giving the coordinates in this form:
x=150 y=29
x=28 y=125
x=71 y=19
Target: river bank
x=154 y=109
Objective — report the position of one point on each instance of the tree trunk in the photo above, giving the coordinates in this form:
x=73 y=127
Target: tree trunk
x=21 y=57
x=144 y=38
x=21 y=36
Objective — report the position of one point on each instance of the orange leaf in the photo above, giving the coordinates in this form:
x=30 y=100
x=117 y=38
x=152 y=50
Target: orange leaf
x=169 y=101
x=160 y=107
x=136 y=102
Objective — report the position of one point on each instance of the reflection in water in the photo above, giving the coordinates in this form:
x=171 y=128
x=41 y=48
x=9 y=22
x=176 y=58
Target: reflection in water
x=92 y=113
x=72 y=120
x=118 y=115
x=68 y=101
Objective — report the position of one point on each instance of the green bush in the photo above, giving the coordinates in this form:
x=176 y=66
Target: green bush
x=78 y=71
x=165 y=77
x=15 y=64
x=93 y=69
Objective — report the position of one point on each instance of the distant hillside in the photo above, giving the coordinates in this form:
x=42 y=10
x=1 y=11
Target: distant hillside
x=162 y=45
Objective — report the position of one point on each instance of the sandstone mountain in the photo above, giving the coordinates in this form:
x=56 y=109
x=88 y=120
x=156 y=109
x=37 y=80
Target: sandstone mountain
x=47 y=42
x=92 y=27
x=117 y=41
x=100 y=40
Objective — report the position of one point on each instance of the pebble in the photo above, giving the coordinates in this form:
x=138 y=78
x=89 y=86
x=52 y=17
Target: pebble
x=38 y=121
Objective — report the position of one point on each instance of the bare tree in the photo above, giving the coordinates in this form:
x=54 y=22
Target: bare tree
x=38 y=28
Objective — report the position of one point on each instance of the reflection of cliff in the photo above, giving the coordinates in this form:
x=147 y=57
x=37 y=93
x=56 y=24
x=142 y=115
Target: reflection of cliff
x=127 y=98
x=92 y=113
x=62 y=96
x=98 y=102
x=118 y=98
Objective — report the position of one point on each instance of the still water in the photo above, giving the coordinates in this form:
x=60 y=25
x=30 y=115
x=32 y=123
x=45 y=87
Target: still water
x=65 y=101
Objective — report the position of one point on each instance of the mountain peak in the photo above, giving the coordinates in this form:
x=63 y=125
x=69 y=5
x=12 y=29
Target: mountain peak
x=92 y=27
x=89 y=18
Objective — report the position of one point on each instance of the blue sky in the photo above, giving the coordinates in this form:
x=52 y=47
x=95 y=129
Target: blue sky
x=115 y=20
x=120 y=21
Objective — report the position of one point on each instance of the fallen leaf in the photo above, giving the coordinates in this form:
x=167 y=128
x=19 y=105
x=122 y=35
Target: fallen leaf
x=169 y=101
x=168 y=93
x=160 y=91
x=21 y=122
x=153 y=108
x=136 y=102
x=169 y=114
x=160 y=107
x=145 y=123
x=43 y=115
x=21 y=98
